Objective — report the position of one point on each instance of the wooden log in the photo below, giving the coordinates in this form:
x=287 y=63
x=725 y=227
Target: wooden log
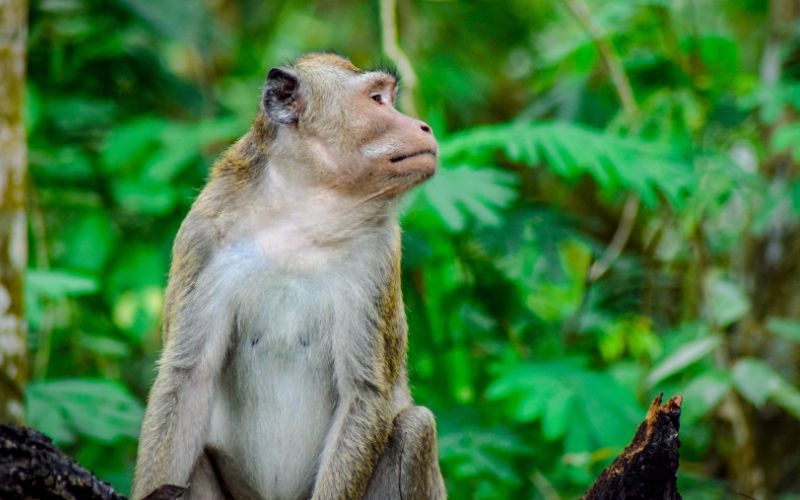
x=31 y=467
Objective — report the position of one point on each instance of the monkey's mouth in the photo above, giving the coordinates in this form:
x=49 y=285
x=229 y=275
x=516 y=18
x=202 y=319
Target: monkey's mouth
x=400 y=158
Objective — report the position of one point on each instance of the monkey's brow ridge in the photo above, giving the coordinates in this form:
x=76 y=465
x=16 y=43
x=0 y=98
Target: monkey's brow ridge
x=387 y=68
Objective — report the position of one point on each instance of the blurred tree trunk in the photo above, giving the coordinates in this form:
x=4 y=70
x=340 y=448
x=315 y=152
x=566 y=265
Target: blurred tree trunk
x=13 y=237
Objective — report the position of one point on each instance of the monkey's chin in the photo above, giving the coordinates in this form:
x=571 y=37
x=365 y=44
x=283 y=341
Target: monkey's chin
x=413 y=177
x=420 y=167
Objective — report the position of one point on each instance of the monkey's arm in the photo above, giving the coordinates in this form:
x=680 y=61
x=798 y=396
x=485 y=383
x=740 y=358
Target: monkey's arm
x=197 y=327
x=360 y=430
x=368 y=360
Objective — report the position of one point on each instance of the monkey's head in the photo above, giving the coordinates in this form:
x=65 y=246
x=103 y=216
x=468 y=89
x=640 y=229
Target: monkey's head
x=339 y=123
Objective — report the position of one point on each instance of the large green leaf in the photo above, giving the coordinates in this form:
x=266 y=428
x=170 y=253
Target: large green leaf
x=683 y=356
x=758 y=382
x=58 y=283
x=102 y=409
x=727 y=301
x=704 y=393
x=590 y=410
x=785 y=327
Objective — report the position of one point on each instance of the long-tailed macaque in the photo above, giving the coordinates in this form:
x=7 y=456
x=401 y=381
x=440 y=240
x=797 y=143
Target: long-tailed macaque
x=283 y=373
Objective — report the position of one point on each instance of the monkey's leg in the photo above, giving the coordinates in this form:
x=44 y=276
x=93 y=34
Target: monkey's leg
x=409 y=467
x=204 y=482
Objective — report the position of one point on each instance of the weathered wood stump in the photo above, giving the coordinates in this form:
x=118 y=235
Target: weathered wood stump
x=648 y=468
x=31 y=467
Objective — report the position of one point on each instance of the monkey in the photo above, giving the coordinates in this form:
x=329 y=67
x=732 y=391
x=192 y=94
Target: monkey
x=283 y=371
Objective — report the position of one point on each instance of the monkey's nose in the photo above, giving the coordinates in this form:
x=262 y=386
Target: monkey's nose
x=425 y=127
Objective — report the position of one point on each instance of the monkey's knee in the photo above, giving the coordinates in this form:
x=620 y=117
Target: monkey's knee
x=409 y=467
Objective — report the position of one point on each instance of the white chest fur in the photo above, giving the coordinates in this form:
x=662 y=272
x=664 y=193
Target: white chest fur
x=277 y=393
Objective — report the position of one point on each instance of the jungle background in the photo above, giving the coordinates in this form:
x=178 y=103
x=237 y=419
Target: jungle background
x=617 y=214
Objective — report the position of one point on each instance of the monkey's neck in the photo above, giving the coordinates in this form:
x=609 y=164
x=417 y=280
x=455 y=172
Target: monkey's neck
x=324 y=213
x=299 y=224
x=292 y=215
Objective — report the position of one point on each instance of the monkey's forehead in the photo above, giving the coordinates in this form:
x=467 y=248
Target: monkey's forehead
x=326 y=60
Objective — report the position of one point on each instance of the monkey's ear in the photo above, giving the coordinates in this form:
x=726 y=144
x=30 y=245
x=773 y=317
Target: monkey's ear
x=282 y=101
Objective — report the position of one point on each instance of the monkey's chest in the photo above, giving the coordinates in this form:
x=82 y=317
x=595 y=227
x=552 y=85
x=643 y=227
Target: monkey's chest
x=278 y=393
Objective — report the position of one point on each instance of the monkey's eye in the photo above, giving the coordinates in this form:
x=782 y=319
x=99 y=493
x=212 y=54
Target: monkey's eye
x=378 y=97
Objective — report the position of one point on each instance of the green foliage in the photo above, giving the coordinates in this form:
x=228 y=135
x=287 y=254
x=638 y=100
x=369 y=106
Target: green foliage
x=538 y=373
x=786 y=328
x=757 y=382
x=588 y=410
x=684 y=356
x=458 y=194
x=615 y=163
x=100 y=409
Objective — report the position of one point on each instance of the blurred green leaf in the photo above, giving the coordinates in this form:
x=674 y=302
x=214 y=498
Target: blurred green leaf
x=684 y=356
x=130 y=143
x=146 y=198
x=79 y=113
x=703 y=394
x=137 y=267
x=481 y=452
x=788 y=397
x=33 y=108
x=63 y=164
x=89 y=241
x=603 y=411
x=755 y=380
x=173 y=18
x=102 y=409
x=794 y=193
x=784 y=327
x=104 y=346
x=727 y=301
x=58 y=283
x=759 y=382
x=787 y=137
x=457 y=194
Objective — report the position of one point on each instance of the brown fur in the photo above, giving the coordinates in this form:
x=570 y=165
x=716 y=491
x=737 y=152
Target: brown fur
x=328 y=139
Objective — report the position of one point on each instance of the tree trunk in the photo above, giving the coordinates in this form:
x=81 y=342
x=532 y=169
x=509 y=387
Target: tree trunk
x=13 y=235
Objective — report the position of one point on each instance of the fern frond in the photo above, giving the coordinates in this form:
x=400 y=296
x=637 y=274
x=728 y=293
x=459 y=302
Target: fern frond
x=571 y=151
x=464 y=192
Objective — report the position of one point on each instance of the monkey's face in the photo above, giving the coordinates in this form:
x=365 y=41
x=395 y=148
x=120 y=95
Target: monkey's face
x=342 y=122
